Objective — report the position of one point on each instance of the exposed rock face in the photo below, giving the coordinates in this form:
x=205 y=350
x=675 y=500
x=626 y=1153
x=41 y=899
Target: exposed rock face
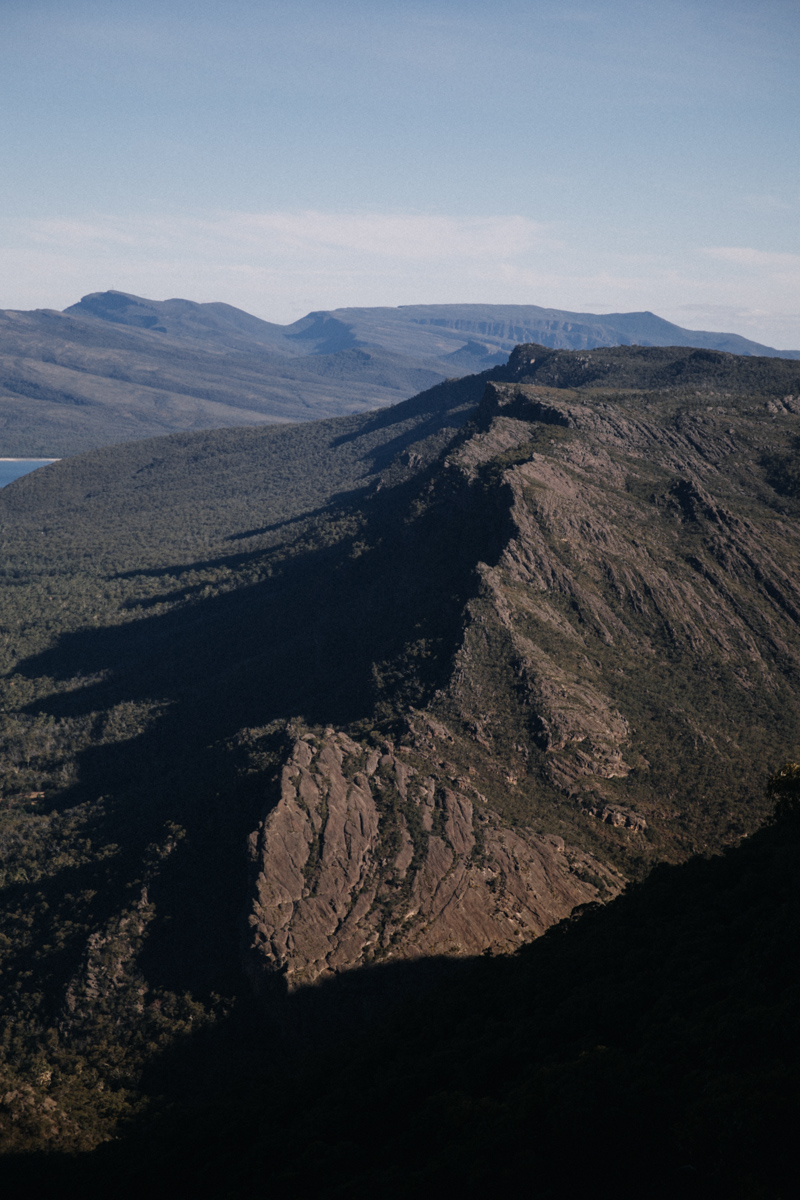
x=560 y=643
x=612 y=814
x=634 y=555
x=365 y=858
x=105 y=970
x=635 y=599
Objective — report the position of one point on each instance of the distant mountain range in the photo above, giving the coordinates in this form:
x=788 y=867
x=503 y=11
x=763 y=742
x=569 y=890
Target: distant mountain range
x=468 y=334
x=117 y=367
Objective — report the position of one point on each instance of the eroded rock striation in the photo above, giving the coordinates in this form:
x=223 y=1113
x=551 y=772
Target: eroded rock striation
x=633 y=601
x=367 y=857
x=642 y=576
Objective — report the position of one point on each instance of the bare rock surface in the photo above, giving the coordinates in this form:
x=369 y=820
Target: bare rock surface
x=364 y=858
x=631 y=547
x=417 y=689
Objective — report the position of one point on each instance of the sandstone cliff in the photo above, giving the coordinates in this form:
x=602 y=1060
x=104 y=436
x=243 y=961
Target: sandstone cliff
x=634 y=605
x=367 y=856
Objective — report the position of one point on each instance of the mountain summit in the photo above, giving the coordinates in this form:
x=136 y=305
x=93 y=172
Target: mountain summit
x=429 y=331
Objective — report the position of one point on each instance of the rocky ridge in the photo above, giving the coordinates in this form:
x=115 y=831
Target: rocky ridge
x=549 y=641
x=639 y=601
x=366 y=857
x=627 y=552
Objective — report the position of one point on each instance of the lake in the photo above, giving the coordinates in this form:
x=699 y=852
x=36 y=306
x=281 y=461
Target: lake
x=13 y=468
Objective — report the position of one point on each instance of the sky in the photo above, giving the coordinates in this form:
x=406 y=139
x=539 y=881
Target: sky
x=612 y=156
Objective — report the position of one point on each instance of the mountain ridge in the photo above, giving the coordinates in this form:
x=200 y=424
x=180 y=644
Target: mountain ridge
x=438 y=331
x=504 y=648
x=506 y=326
x=117 y=367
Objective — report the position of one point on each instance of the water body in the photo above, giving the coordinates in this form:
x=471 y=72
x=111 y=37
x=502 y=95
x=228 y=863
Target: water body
x=14 y=468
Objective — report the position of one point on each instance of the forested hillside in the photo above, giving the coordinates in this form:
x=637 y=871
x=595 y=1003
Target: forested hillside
x=285 y=704
x=76 y=380
x=645 y=1048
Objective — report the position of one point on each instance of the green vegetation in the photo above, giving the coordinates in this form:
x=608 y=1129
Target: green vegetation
x=90 y=377
x=170 y=607
x=783 y=471
x=715 y=374
x=648 y=1047
x=116 y=367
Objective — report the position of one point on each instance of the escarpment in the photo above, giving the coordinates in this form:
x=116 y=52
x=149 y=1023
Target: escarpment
x=367 y=857
x=525 y=648
x=643 y=600
x=623 y=658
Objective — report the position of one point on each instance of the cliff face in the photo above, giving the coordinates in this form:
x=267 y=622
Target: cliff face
x=646 y=600
x=367 y=856
x=628 y=654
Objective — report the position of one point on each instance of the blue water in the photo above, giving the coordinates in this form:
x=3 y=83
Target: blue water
x=14 y=468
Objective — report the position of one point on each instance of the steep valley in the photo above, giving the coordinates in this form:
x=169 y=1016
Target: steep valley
x=290 y=705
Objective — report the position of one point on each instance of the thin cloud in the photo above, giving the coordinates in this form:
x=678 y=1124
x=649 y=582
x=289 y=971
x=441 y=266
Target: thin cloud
x=745 y=256
x=766 y=204
x=397 y=236
x=770 y=326
x=281 y=264
x=90 y=235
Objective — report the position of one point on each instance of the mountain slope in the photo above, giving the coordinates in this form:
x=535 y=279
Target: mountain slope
x=649 y=1048
x=532 y=640
x=440 y=332
x=664 y=1022
x=439 y=329
x=116 y=367
x=76 y=382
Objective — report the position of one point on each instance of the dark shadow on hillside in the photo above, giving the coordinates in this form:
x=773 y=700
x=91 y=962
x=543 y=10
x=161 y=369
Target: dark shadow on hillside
x=648 y=1048
x=220 y=561
x=341 y=498
x=330 y=334
x=260 y=1050
x=443 y=404
x=340 y=634
x=339 y=501
x=306 y=639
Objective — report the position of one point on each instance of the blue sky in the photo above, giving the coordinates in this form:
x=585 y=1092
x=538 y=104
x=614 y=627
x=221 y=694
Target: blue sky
x=607 y=156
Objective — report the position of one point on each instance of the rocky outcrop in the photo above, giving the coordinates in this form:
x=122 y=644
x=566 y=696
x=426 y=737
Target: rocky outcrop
x=635 y=543
x=367 y=857
x=558 y=644
x=613 y=814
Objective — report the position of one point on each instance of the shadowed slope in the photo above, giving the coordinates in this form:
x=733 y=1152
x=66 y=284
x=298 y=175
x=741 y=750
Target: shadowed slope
x=562 y=627
x=647 y=1048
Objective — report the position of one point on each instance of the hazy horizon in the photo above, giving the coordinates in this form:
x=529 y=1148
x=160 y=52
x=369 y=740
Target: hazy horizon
x=593 y=158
